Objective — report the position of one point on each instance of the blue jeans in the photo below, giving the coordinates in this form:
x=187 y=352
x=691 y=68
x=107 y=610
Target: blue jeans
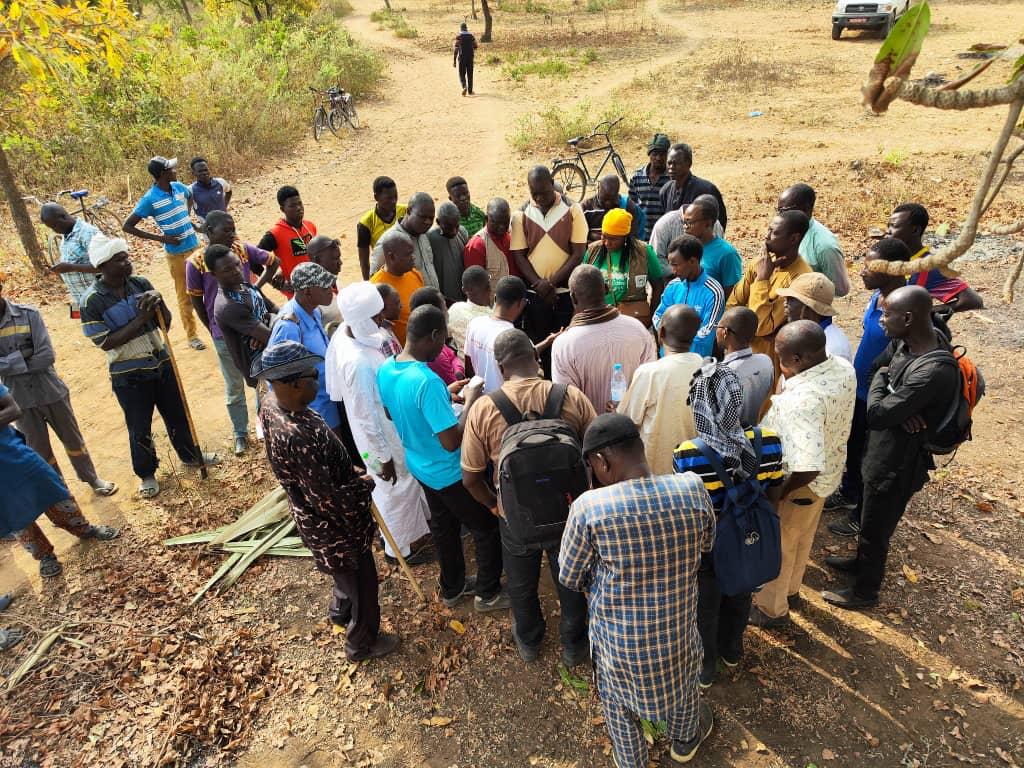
x=234 y=389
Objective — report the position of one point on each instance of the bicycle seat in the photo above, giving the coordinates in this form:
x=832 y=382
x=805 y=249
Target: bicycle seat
x=575 y=141
x=79 y=194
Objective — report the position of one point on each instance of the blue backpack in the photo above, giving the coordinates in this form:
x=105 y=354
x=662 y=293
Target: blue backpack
x=748 y=543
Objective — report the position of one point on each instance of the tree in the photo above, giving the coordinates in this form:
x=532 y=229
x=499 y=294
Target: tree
x=889 y=80
x=45 y=46
x=486 y=9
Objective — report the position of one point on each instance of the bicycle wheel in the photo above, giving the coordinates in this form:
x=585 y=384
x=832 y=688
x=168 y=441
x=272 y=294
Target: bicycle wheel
x=53 y=243
x=620 y=168
x=352 y=116
x=319 y=123
x=573 y=180
x=104 y=220
x=334 y=121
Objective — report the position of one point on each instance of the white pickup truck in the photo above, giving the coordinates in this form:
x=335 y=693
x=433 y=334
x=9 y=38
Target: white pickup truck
x=856 y=14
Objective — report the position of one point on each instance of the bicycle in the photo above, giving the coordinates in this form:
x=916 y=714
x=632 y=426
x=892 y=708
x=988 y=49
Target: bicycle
x=573 y=174
x=334 y=109
x=97 y=214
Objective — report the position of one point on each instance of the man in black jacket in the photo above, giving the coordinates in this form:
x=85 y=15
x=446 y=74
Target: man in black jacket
x=910 y=394
x=684 y=187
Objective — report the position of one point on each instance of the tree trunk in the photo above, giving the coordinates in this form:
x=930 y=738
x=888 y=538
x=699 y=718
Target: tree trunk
x=486 y=36
x=387 y=4
x=186 y=11
x=19 y=213
x=472 y=7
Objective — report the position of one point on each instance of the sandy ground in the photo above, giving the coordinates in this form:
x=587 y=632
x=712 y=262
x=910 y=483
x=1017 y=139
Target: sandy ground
x=931 y=677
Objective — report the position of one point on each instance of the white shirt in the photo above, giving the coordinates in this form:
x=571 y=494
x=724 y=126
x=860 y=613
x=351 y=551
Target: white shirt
x=836 y=343
x=480 y=336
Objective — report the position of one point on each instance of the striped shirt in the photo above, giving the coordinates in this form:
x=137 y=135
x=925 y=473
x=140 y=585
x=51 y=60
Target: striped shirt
x=646 y=194
x=104 y=312
x=170 y=212
x=688 y=458
x=635 y=548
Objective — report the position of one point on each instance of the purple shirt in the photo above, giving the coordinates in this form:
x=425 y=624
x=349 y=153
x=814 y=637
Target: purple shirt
x=200 y=282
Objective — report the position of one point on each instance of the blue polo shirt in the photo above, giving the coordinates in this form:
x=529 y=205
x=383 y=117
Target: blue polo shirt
x=722 y=262
x=295 y=324
x=421 y=408
x=872 y=344
x=170 y=212
x=706 y=297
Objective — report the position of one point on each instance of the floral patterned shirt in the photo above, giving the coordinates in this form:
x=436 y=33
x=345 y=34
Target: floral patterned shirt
x=329 y=501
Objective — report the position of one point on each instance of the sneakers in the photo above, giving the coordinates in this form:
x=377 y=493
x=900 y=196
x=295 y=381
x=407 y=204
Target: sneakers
x=468 y=587
x=759 y=618
x=845 y=528
x=419 y=557
x=708 y=675
x=500 y=602
x=848 y=599
x=684 y=751
x=837 y=501
x=384 y=645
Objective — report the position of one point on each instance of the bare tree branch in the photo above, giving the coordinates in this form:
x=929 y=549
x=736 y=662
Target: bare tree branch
x=926 y=96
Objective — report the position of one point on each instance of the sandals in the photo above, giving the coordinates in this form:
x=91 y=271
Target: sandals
x=10 y=637
x=209 y=459
x=5 y=602
x=101 y=533
x=104 y=488
x=196 y=344
x=50 y=566
x=149 y=488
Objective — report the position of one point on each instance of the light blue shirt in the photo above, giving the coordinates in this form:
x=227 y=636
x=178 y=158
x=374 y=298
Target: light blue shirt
x=421 y=408
x=706 y=297
x=74 y=249
x=822 y=252
x=295 y=324
x=170 y=212
x=722 y=262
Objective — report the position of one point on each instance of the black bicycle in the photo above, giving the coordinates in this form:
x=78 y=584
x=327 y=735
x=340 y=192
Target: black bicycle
x=574 y=175
x=335 y=108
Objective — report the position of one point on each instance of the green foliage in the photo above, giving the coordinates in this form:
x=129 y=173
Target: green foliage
x=569 y=680
x=653 y=730
x=550 y=127
x=230 y=91
x=599 y=6
x=1018 y=69
x=895 y=157
x=907 y=36
x=395 y=21
x=546 y=63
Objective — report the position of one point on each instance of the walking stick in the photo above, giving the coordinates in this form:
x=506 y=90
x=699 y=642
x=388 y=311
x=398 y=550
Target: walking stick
x=398 y=553
x=203 y=472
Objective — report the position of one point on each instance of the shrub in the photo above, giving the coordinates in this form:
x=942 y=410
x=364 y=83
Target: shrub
x=551 y=127
x=395 y=21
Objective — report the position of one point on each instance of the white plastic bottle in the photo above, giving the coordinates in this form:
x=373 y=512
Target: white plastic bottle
x=373 y=464
x=619 y=384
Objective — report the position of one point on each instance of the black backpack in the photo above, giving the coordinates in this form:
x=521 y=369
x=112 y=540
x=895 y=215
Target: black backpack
x=540 y=469
x=748 y=540
x=955 y=426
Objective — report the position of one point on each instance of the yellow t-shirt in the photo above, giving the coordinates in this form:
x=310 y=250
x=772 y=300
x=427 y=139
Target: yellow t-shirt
x=375 y=225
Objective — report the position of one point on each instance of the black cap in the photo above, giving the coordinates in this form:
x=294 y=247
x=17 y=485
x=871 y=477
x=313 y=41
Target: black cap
x=609 y=429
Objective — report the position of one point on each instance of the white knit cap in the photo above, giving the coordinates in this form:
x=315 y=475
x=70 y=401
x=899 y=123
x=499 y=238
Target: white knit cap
x=359 y=304
x=102 y=248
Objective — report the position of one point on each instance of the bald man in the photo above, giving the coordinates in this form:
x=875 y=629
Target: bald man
x=656 y=399
x=915 y=383
x=326 y=251
x=812 y=416
x=490 y=247
x=74 y=267
x=755 y=371
x=598 y=338
x=418 y=219
x=448 y=240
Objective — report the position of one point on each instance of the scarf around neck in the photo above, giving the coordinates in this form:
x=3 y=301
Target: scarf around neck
x=593 y=316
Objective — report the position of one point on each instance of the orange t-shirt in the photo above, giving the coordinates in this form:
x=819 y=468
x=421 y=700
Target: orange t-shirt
x=406 y=285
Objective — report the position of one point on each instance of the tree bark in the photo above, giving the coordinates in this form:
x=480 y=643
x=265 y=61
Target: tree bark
x=387 y=4
x=186 y=11
x=486 y=36
x=472 y=8
x=19 y=213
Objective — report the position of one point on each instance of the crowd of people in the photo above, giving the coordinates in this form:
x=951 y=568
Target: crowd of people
x=604 y=382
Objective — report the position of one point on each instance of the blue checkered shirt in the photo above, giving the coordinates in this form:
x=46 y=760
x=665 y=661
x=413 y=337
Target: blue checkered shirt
x=635 y=548
x=648 y=197
x=74 y=249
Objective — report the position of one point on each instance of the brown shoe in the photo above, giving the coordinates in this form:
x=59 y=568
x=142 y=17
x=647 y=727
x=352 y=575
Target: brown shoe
x=384 y=645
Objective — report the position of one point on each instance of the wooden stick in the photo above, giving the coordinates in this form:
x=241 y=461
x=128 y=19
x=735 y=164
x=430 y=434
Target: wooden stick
x=398 y=553
x=181 y=391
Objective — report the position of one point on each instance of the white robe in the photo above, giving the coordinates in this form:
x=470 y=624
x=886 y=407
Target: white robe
x=351 y=369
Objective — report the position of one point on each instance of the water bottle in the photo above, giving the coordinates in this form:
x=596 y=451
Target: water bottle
x=373 y=465
x=619 y=384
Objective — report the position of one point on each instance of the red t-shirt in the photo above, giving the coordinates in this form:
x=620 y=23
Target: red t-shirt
x=290 y=244
x=475 y=253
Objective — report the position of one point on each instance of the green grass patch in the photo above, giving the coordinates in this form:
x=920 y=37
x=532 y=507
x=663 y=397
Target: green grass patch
x=395 y=21
x=547 y=63
x=552 y=126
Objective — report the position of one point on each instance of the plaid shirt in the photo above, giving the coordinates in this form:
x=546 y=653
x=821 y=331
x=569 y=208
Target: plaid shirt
x=635 y=547
x=74 y=249
x=648 y=197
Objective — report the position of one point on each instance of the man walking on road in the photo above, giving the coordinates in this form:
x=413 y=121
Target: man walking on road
x=169 y=203
x=26 y=368
x=463 y=52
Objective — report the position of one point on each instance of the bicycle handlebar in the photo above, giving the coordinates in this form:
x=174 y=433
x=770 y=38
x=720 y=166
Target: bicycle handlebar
x=611 y=124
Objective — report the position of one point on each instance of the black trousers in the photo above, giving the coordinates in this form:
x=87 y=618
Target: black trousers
x=355 y=604
x=466 y=73
x=541 y=319
x=138 y=396
x=853 y=483
x=522 y=567
x=881 y=513
x=721 y=619
x=344 y=433
x=450 y=509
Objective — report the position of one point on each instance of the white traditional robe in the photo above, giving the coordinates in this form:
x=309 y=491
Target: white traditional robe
x=351 y=368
